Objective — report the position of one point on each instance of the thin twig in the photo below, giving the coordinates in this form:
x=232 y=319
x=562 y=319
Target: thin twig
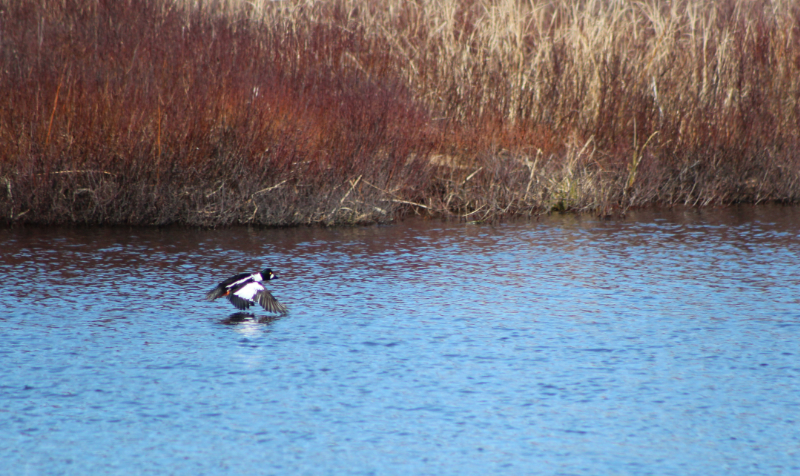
x=394 y=200
x=471 y=175
x=79 y=172
x=55 y=105
x=473 y=212
x=379 y=189
x=352 y=187
x=269 y=188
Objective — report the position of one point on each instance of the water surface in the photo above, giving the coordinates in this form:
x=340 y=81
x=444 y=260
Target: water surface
x=663 y=343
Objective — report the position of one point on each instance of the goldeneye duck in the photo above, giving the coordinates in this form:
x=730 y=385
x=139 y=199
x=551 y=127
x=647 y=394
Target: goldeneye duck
x=244 y=290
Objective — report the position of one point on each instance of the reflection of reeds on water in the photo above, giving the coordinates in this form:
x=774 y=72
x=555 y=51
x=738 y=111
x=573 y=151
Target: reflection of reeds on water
x=356 y=111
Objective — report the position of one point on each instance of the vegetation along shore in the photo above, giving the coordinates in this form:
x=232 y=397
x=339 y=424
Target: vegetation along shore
x=213 y=113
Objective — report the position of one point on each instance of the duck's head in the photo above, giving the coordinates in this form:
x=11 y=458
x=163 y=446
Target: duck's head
x=267 y=274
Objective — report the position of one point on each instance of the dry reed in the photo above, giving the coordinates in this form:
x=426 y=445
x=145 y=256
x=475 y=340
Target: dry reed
x=358 y=111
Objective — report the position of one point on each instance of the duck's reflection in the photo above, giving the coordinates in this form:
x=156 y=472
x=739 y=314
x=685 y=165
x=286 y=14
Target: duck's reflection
x=242 y=317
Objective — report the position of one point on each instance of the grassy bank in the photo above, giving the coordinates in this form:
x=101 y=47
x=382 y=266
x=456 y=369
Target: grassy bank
x=356 y=111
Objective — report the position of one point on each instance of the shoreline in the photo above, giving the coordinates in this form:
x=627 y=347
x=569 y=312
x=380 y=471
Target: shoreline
x=633 y=214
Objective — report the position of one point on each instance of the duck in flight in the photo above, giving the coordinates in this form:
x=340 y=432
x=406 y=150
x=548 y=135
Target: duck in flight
x=244 y=290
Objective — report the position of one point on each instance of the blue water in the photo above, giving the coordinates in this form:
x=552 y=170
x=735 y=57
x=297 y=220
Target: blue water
x=664 y=343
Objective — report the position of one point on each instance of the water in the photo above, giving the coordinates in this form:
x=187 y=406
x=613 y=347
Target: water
x=664 y=343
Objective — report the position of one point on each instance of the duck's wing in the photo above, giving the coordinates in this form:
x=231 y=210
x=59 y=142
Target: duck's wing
x=268 y=302
x=239 y=302
x=243 y=294
x=222 y=289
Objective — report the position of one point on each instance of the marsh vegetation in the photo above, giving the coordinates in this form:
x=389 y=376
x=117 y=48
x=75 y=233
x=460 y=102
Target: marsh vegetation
x=356 y=111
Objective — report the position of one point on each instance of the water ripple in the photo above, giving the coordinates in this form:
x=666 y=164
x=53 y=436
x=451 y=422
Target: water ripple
x=664 y=343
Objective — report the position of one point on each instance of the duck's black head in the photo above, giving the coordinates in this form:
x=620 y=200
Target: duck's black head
x=267 y=274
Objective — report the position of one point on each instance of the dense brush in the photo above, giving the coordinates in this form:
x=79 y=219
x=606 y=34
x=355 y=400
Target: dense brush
x=357 y=111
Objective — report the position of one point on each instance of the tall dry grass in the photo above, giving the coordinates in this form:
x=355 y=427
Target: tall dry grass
x=356 y=111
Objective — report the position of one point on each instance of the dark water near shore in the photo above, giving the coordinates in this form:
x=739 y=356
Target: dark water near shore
x=665 y=343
